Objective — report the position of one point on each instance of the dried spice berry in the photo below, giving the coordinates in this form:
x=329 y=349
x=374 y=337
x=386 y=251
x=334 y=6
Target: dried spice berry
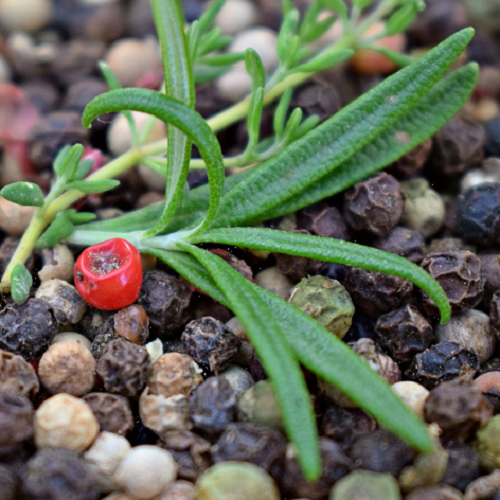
x=316 y=98
x=213 y=405
x=488 y=444
x=490 y=263
x=443 y=361
x=413 y=394
x=109 y=275
x=27 y=329
x=273 y=280
x=495 y=314
x=260 y=406
x=191 y=452
x=210 y=342
x=457 y=146
x=463 y=465
x=478 y=213
x=97 y=322
x=460 y=274
x=17 y=375
x=132 y=323
x=165 y=299
x=458 y=407
x=16 y=419
x=124 y=368
x=334 y=465
x=100 y=343
x=322 y=220
x=376 y=293
x=325 y=300
x=374 y=205
x=239 y=378
x=489 y=384
x=237 y=264
x=67 y=367
x=412 y=163
x=404 y=242
x=8 y=483
x=57 y=474
x=261 y=446
x=404 y=333
x=366 y=485
x=484 y=487
x=435 y=493
x=178 y=490
x=112 y=411
x=381 y=451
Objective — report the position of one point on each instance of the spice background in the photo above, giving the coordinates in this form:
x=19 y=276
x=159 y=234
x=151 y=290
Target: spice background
x=166 y=399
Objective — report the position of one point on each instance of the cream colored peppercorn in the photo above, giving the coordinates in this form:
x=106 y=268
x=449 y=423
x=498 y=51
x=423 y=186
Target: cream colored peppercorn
x=67 y=367
x=73 y=337
x=14 y=218
x=64 y=421
x=104 y=457
x=146 y=471
x=413 y=394
x=179 y=490
x=57 y=263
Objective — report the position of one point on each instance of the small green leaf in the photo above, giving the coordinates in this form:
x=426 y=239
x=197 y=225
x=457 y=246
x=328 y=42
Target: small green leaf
x=288 y=30
x=212 y=42
x=401 y=19
x=27 y=194
x=398 y=58
x=208 y=17
x=306 y=126
x=207 y=74
x=255 y=68
x=222 y=59
x=336 y=6
x=361 y=4
x=323 y=62
x=318 y=30
x=79 y=217
x=69 y=162
x=93 y=187
x=193 y=39
x=255 y=117
x=60 y=229
x=292 y=124
x=281 y=112
x=21 y=282
x=59 y=159
x=83 y=169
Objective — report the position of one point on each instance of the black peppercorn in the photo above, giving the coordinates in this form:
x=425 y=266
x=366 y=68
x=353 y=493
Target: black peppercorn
x=458 y=407
x=463 y=465
x=478 y=213
x=381 y=451
x=112 y=411
x=404 y=333
x=213 y=405
x=335 y=465
x=100 y=343
x=322 y=220
x=261 y=446
x=443 y=361
x=210 y=342
x=490 y=263
x=492 y=146
x=495 y=314
x=27 y=329
x=16 y=419
x=461 y=276
x=315 y=98
x=404 y=242
x=165 y=299
x=374 y=205
x=58 y=474
x=8 y=483
x=17 y=375
x=376 y=293
x=411 y=163
x=124 y=368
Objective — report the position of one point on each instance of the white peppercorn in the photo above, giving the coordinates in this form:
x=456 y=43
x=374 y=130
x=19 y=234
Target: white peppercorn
x=235 y=16
x=67 y=367
x=73 y=337
x=274 y=281
x=57 y=263
x=25 y=16
x=413 y=394
x=239 y=378
x=179 y=490
x=146 y=471
x=64 y=421
x=261 y=39
x=104 y=457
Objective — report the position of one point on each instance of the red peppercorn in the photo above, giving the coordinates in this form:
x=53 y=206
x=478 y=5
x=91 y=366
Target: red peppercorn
x=109 y=275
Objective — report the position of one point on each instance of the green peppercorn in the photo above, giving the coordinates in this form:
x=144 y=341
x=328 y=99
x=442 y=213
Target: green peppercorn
x=488 y=444
x=325 y=300
x=367 y=485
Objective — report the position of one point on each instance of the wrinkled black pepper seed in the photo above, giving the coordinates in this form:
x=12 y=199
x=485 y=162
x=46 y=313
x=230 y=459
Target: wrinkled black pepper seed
x=411 y=163
x=443 y=361
x=322 y=220
x=315 y=98
x=463 y=465
x=16 y=419
x=8 y=483
x=58 y=474
x=404 y=333
x=213 y=405
x=210 y=342
x=112 y=411
x=404 y=242
x=495 y=314
x=261 y=446
x=97 y=322
x=27 y=329
x=490 y=263
x=100 y=343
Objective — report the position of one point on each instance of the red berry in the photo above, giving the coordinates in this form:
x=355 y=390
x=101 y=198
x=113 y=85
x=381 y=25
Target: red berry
x=109 y=275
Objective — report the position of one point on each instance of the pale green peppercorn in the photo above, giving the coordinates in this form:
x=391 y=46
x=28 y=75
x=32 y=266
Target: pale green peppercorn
x=259 y=406
x=366 y=485
x=236 y=481
x=325 y=300
x=488 y=444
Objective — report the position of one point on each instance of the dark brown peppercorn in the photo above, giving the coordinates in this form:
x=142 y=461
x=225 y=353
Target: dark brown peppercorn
x=490 y=263
x=112 y=412
x=322 y=220
x=374 y=205
x=261 y=446
x=17 y=375
x=495 y=314
x=404 y=333
x=315 y=98
x=376 y=293
x=210 y=342
x=97 y=322
x=16 y=419
x=457 y=146
x=344 y=425
x=191 y=453
x=404 y=242
x=458 y=407
x=381 y=451
x=58 y=474
x=463 y=465
x=412 y=163
x=8 y=483
x=132 y=323
x=443 y=361
x=82 y=92
x=213 y=405
x=27 y=329
x=165 y=299
x=237 y=264
x=124 y=368
x=478 y=213
x=335 y=465
x=100 y=343
x=461 y=276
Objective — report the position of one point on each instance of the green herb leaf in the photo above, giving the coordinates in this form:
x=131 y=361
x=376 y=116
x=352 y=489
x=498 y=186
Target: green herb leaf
x=361 y=4
x=179 y=84
x=401 y=19
x=337 y=6
x=21 y=282
x=59 y=159
x=222 y=59
x=279 y=118
x=182 y=117
x=255 y=117
x=255 y=68
x=93 y=187
x=67 y=162
x=336 y=140
x=60 y=228
x=79 y=217
x=83 y=169
x=322 y=62
x=27 y=194
x=398 y=58
x=306 y=126
x=208 y=17
x=206 y=74
x=288 y=30
x=280 y=363
x=292 y=124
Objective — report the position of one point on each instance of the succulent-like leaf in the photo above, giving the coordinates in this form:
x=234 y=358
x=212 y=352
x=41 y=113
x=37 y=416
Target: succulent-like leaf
x=60 y=228
x=27 y=194
x=21 y=282
x=93 y=187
